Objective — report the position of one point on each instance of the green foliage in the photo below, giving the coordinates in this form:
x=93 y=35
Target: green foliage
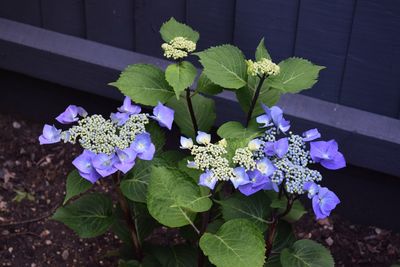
x=89 y=216
x=268 y=96
x=176 y=256
x=172 y=28
x=237 y=243
x=21 y=195
x=254 y=208
x=172 y=157
x=234 y=129
x=204 y=108
x=295 y=213
x=76 y=185
x=296 y=74
x=224 y=65
x=157 y=135
x=261 y=51
x=233 y=144
x=284 y=237
x=174 y=198
x=206 y=86
x=144 y=84
x=306 y=253
x=180 y=76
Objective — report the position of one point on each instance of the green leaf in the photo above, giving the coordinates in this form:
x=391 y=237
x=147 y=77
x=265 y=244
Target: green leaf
x=204 y=110
x=144 y=84
x=306 y=253
x=176 y=256
x=157 y=135
x=129 y=263
x=76 y=185
x=89 y=216
x=21 y=195
x=224 y=65
x=233 y=144
x=268 y=96
x=172 y=157
x=261 y=51
x=206 y=86
x=174 y=198
x=254 y=208
x=296 y=74
x=172 y=28
x=237 y=243
x=180 y=76
x=234 y=129
x=193 y=173
x=295 y=213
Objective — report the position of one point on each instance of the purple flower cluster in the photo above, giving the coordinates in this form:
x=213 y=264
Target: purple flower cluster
x=93 y=164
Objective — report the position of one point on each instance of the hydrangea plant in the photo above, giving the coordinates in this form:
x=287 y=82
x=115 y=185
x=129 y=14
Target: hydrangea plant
x=231 y=192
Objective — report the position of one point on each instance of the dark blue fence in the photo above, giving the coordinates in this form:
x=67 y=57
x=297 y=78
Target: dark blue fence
x=357 y=40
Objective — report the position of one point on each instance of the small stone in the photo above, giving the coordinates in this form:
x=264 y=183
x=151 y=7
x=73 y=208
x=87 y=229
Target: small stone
x=44 y=233
x=48 y=242
x=16 y=125
x=33 y=264
x=65 y=255
x=329 y=241
x=378 y=231
x=10 y=249
x=5 y=232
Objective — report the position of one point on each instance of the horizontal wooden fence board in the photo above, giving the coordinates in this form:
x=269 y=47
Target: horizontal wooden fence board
x=22 y=11
x=323 y=34
x=64 y=16
x=369 y=140
x=149 y=16
x=214 y=20
x=275 y=20
x=371 y=80
x=111 y=22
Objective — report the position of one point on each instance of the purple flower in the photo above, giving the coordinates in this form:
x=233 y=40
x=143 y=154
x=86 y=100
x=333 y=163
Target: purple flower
x=119 y=118
x=126 y=159
x=164 y=115
x=143 y=146
x=311 y=135
x=257 y=182
x=327 y=154
x=207 y=179
x=85 y=167
x=241 y=177
x=275 y=114
x=128 y=108
x=186 y=143
x=71 y=114
x=203 y=138
x=50 y=135
x=278 y=148
x=104 y=164
x=312 y=189
x=265 y=167
x=324 y=202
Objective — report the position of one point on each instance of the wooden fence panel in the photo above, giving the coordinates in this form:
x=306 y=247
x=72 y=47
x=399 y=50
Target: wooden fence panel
x=371 y=80
x=323 y=34
x=65 y=16
x=22 y=11
x=111 y=22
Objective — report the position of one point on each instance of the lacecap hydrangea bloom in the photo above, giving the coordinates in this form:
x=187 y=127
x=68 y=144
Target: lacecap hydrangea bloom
x=178 y=48
x=262 y=67
x=109 y=144
x=277 y=159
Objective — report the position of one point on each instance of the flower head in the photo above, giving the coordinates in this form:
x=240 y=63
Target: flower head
x=50 y=135
x=84 y=164
x=262 y=67
x=257 y=181
x=324 y=202
x=178 y=48
x=327 y=154
x=71 y=114
x=128 y=108
x=163 y=115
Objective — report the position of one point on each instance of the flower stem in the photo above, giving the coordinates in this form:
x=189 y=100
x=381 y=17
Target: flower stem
x=191 y=111
x=137 y=249
x=255 y=97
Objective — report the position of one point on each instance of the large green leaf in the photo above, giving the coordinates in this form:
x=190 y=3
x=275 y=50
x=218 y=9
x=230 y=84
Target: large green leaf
x=174 y=198
x=144 y=84
x=76 y=185
x=268 y=96
x=306 y=253
x=176 y=256
x=295 y=74
x=89 y=216
x=295 y=213
x=180 y=76
x=237 y=243
x=157 y=135
x=224 y=65
x=206 y=86
x=172 y=157
x=172 y=28
x=254 y=208
x=261 y=51
x=234 y=129
x=204 y=110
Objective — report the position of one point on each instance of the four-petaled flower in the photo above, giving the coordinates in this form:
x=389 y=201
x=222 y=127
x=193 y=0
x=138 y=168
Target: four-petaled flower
x=84 y=164
x=105 y=164
x=312 y=189
x=126 y=159
x=240 y=177
x=207 y=179
x=50 y=135
x=278 y=148
x=326 y=153
x=324 y=202
x=143 y=146
x=257 y=181
x=71 y=114
x=163 y=115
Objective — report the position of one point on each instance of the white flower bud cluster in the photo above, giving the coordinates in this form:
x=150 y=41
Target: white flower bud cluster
x=101 y=135
x=210 y=157
x=179 y=47
x=269 y=136
x=244 y=158
x=262 y=67
x=297 y=152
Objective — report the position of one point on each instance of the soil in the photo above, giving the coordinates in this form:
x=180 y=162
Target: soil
x=37 y=175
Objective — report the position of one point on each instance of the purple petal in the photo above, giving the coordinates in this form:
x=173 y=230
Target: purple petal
x=70 y=114
x=337 y=162
x=283 y=125
x=281 y=147
x=269 y=149
x=163 y=115
x=312 y=189
x=50 y=135
x=311 y=135
x=207 y=179
x=141 y=143
x=263 y=119
x=148 y=154
x=128 y=108
x=119 y=118
x=104 y=164
x=85 y=167
x=265 y=167
x=240 y=178
x=124 y=166
x=316 y=208
x=126 y=159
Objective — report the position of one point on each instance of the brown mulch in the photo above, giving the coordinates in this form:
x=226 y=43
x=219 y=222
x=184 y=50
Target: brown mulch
x=39 y=172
